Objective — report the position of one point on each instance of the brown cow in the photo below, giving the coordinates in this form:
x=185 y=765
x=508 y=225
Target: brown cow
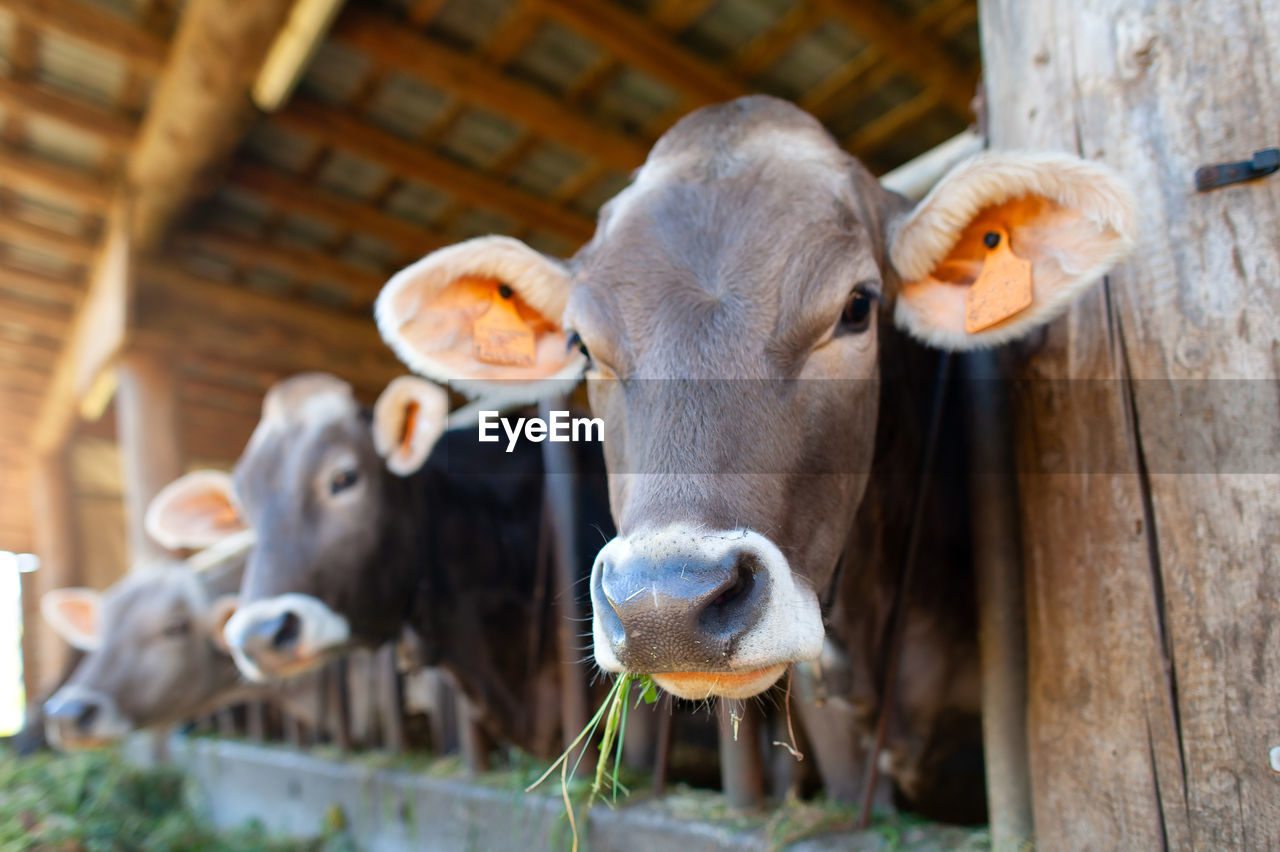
x=742 y=308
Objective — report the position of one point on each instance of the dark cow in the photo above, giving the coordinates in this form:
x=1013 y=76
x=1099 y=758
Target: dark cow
x=370 y=522
x=742 y=309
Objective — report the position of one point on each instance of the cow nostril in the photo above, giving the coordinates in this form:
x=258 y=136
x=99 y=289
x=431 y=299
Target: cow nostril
x=725 y=612
x=85 y=717
x=287 y=634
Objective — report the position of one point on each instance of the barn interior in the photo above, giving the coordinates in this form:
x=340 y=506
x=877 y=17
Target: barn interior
x=180 y=228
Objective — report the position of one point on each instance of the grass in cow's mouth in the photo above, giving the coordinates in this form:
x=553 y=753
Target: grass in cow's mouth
x=613 y=712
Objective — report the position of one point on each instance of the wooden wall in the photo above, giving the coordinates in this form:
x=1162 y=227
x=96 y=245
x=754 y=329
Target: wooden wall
x=1151 y=524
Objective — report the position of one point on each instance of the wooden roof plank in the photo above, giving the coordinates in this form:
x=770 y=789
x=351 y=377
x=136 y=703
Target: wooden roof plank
x=44 y=179
x=911 y=50
x=112 y=128
x=475 y=81
x=20 y=232
x=639 y=42
x=198 y=113
x=95 y=26
x=338 y=129
x=289 y=193
x=362 y=284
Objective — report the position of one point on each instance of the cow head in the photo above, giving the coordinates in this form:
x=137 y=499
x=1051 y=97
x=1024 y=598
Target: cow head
x=154 y=650
x=732 y=304
x=320 y=485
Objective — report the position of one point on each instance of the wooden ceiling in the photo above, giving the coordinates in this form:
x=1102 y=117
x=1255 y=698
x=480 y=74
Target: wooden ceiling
x=417 y=123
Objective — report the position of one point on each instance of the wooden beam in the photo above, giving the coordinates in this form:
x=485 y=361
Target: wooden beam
x=678 y=15
x=764 y=50
x=56 y=545
x=286 y=192
x=21 y=233
x=112 y=128
x=36 y=176
x=226 y=311
x=915 y=53
x=149 y=432
x=45 y=288
x=309 y=267
x=338 y=129
x=880 y=130
x=50 y=322
x=387 y=41
x=91 y=24
x=96 y=335
x=199 y=111
x=642 y=44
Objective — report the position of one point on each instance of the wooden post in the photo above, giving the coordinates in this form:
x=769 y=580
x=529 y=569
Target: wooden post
x=1002 y=633
x=472 y=737
x=389 y=704
x=55 y=539
x=741 y=766
x=149 y=430
x=1151 y=531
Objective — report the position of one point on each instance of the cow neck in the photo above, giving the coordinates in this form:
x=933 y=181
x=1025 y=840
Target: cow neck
x=861 y=597
x=472 y=568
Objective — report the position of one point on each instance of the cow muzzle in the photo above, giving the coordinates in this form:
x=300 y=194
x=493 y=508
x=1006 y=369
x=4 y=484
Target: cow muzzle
x=80 y=718
x=705 y=612
x=285 y=635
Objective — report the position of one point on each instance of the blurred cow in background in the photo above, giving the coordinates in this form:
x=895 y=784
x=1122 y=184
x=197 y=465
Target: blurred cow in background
x=368 y=522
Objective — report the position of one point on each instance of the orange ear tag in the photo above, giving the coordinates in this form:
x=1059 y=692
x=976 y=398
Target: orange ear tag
x=501 y=336
x=1002 y=288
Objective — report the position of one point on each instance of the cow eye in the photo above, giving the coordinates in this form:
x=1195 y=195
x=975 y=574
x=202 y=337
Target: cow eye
x=176 y=629
x=342 y=480
x=856 y=317
x=575 y=342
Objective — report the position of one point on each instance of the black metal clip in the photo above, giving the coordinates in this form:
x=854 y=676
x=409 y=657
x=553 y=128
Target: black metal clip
x=1263 y=163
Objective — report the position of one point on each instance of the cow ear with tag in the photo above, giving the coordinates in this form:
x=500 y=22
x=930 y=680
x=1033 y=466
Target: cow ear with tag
x=408 y=418
x=484 y=317
x=195 y=511
x=1004 y=243
x=73 y=615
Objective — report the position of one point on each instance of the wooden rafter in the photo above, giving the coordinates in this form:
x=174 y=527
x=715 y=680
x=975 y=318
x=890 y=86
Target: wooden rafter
x=361 y=284
x=49 y=321
x=197 y=114
x=478 y=82
x=40 y=287
x=289 y=193
x=112 y=128
x=644 y=45
x=914 y=52
x=875 y=133
x=21 y=233
x=92 y=25
x=338 y=129
x=43 y=179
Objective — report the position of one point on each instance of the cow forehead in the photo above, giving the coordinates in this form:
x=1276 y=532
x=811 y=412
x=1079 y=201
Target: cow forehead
x=293 y=413
x=724 y=154
x=149 y=596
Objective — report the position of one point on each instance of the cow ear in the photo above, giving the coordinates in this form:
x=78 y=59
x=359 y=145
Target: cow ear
x=408 y=418
x=484 y=317
x=220 y=613
x=195 y=511
x=1064 y=220
x=73 y=614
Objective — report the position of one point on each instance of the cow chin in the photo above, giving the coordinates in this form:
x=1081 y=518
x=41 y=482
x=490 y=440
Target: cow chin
x=701 y=685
